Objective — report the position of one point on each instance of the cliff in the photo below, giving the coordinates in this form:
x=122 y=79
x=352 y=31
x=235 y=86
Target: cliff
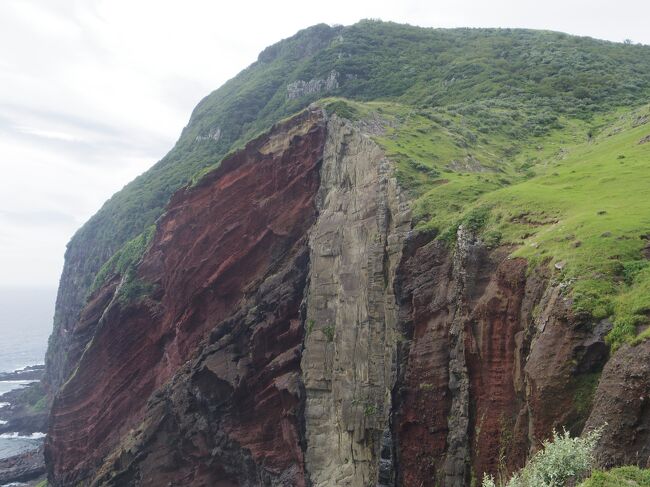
x=285 y=326
x=412 y=282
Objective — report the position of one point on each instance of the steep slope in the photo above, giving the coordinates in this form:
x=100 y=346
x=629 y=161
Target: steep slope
x=413 y=291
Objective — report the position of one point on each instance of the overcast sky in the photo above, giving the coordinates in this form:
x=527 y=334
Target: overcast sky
x=93 y=92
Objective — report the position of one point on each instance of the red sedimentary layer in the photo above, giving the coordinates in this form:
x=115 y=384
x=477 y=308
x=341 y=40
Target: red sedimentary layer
x=492 y=340
x=214 y=245
x=421 y=426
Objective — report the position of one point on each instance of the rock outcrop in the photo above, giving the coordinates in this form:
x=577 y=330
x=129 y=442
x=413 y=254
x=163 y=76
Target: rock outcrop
x=348 y=362
x=622 y=401
x=25 y=411
x=22 y=468
x=301 y=88
x=287 y=327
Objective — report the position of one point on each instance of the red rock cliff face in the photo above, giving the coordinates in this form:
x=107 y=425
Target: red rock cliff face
x=218 y=244
x=287 y=328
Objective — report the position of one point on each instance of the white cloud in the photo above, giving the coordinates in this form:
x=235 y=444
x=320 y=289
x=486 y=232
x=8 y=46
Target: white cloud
x=95 y=91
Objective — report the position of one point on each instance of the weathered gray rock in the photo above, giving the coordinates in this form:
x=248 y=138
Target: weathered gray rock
x=348 y=360
x=214 y=134
x=301 y=88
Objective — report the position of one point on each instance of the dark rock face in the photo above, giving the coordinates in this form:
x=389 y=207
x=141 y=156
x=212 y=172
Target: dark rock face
x=423 y=399
x=295 y=332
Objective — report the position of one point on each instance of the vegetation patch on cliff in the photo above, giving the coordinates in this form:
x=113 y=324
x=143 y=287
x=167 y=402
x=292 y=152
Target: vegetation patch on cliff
x=125 y=259
x=630 y=476
x=566 y=461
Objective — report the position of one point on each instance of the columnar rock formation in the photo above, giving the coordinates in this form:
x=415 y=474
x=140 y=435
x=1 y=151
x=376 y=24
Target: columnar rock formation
x=348 y=361
x=287 y=327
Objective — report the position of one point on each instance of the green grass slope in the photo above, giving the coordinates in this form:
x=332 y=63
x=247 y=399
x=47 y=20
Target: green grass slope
x=574 y=199
x=588 y=214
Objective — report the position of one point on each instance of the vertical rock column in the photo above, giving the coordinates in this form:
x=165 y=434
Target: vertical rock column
x=349 y=358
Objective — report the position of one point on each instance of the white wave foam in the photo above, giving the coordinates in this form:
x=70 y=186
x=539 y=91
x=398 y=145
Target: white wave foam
x=3 y=404
x=33 y=436
x=2 y=423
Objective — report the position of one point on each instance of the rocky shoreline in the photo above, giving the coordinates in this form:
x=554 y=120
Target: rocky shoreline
x=31 y=372
x=22 y=468
x=25 y=414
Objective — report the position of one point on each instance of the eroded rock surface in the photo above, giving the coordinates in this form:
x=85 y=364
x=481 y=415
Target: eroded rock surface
x=473 y=393
x=217 y=244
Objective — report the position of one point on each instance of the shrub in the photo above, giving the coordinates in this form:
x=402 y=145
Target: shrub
x=343 y=110
x=562 y=459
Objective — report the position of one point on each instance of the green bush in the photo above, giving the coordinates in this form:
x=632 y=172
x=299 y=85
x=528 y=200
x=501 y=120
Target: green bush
x=562 y=459
x=342 y=109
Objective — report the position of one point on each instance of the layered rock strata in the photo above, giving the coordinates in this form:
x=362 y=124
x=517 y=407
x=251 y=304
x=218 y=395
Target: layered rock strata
x=493 y=360
x=215 y=249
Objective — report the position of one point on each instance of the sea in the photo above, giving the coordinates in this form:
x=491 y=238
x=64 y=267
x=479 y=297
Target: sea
x=25 y=325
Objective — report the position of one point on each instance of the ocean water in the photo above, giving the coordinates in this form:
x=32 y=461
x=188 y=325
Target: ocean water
x=25 y=325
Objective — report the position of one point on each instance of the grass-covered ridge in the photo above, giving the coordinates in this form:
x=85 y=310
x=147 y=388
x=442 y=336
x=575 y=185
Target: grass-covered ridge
x=587 y=215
